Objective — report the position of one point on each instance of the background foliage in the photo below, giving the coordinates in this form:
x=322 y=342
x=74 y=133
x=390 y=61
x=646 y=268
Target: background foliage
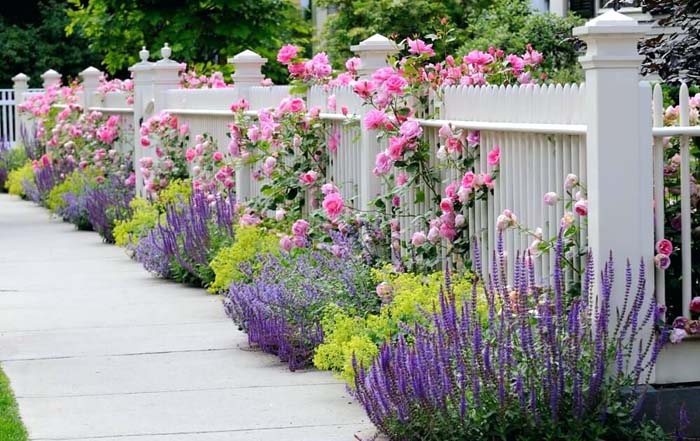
x=198 y=31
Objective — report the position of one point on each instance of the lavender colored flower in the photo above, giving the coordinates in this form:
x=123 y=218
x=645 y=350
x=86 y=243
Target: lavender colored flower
x=538 y=362
x=280 y=308
x=107 y=203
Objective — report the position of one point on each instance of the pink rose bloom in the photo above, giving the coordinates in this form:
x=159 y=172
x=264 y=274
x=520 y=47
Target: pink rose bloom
x=287 y=53
x=567 y=220
x=448 y=231
x=695 y=305
x=184 y=129
x=460 y=220
x=411 y=129
x=333 y=205
x=286 y=243
x=581 y=207
x=296 y=105
x=454 y=145
x=218 y=156
x=190 y=154
x=451 y=190
x=551 y=198
x=329 y=188
x=300 y=228
x=280 y=213
x=662 y=261
x=353 y=64
x=665 y=247
x=333 y=141
x=375 y=119
x=146 y=162
x=418 y=238
x=382 y=74
x=395 y=84
x=433 y=234
x=571 y=181
x=363 y=88
x=445 y=131
x=478 y=58
x=468 y=180
x=473 y=138
x=517 y=63
x=309 y=177
x=494 y=156
x=296 y=69
x=248 y=220
x=401 y=179
x=145 y=142
x=489 y=182
x=382 y=164
x=418 y=47
x=446 y=205
x=331 y=102
x=395 y=149
x=269 y=165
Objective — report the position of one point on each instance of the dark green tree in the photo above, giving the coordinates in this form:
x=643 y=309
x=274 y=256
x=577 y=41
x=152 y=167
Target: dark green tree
x=32 y=40
x=198 y=31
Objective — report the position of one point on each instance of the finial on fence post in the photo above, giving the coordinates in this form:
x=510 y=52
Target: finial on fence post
x=142 y=75
x=91 y=81
x=374 y=52
x=618 y=148
x=20 y=86
x=51 y=78
x=247 y=69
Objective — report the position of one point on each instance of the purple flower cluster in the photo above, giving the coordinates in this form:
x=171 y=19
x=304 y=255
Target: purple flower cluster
x=149 y=251
x=107 y=203
x=191 y=234
x=74 y=210
x=280 y=308
x=536 y=363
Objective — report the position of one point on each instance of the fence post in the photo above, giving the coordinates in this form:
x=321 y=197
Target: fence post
x=619 y=149
x=91 y=81
x=51 y=78
x=166 y=75
x=373 y=52
x=141 y=73
x=21 y=85
x=247 y=74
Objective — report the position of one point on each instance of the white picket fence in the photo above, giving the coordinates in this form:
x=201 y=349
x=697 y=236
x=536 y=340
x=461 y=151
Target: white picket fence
x=8 y=131
x=601 y=132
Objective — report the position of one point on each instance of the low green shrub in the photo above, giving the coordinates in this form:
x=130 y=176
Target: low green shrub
x=17 y=176
x=413 y=298
x=250 y=241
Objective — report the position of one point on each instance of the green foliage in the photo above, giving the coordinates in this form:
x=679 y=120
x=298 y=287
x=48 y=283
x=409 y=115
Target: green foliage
x=146 y=213
x=144 y=218
x=75 y=183
x=356 y=20
x=39 y=43
x=17 y=176
x=14 y=158
x=11 y=427
x=250 y=241
x=511 y=25
x=197 y=31
x=414 y=296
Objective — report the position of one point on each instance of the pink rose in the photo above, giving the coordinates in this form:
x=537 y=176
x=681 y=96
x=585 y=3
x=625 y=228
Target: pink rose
x=300 y=228
x=286 y=243
x=448 y=231
x=433 y=234
x=418 y=47
x=280 y=213
x=296 y=105
x=401 y=179
x=190 y=154
x=363 y=88
x=184 y=129
x=445 y=131
x=395 y=149
x=218 y=156
x=571 y=181
x=309 y=177
x=333 y=204
x=468 y=180
x=287 y=53
x=446 y=205
x=395 y=84
x=662 y=261
x=411 y=129
x=333 y=141
x=329 y=188
x=695 y=305
x=353 y=64
x=146 y=162
x=382 y=164
x=418 y=238
x=375 y=119
x=145 y=142
x=581 y=207
x=665 y=247
x=551 y=198
x=494 y=156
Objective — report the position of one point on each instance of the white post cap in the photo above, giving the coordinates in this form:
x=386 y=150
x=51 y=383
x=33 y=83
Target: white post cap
x=248 y=68
x=51 y=77
x=374 y=52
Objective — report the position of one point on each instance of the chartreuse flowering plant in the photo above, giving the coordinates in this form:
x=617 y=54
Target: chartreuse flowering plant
x=408 y=300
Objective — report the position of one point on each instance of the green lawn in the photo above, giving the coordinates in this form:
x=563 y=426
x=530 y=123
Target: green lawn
x=11 y=427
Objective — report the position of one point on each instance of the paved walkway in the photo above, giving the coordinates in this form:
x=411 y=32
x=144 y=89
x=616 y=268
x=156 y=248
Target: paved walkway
x=97 y=349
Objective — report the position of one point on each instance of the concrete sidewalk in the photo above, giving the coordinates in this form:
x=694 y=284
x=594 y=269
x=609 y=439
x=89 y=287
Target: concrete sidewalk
x=97 y=349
